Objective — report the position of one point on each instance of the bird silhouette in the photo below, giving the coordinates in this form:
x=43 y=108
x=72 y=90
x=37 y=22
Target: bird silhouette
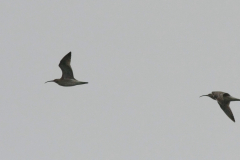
x=223 y=100
x=67 y=78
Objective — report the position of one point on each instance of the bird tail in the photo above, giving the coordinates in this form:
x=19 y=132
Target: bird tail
x=233 y=98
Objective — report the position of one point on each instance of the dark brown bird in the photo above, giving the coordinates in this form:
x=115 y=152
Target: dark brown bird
x=223 y=100
x=67 y=73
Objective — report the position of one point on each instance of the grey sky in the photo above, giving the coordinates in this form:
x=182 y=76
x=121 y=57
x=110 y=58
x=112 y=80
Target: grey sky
x=147 y=63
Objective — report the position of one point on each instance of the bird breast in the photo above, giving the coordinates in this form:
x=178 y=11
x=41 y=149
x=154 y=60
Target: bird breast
x=68 y=82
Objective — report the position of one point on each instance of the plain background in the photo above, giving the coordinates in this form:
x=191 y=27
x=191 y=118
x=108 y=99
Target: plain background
x=147 y=63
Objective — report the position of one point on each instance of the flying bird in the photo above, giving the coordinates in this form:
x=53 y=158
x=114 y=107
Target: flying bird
x=223 y=100
x=67 y=78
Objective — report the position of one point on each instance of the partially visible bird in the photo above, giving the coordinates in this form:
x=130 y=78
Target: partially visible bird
x=67 y=73
x=223 y=100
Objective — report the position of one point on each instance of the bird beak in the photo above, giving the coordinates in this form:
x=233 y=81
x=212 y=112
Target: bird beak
x=50 y=81
x=204 y=95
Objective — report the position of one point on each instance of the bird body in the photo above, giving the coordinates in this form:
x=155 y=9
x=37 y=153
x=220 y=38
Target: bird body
x=67 y=78
x=223 y=100
x=68 y=82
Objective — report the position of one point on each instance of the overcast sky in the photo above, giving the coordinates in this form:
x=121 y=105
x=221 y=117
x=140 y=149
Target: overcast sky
x=147 y=63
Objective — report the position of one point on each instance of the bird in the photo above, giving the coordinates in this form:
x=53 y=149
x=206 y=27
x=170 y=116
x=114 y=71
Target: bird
x=67 y=78
x=223 y=100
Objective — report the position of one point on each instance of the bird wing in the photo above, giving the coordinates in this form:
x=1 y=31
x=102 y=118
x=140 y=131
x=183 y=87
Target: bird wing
x=227 y=110
x=66 y=68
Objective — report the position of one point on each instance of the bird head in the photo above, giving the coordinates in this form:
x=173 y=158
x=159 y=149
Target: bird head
x=55 y=80
x=209 y=95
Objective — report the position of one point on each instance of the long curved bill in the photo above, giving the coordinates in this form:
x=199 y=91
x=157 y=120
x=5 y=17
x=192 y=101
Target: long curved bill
x=204 y=95
x=50 y=81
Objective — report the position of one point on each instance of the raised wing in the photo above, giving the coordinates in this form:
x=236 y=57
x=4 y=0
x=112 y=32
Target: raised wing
x=227 y=110
x=66 y=68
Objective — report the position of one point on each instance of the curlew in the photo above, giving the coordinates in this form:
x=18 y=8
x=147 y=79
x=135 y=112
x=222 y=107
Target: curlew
x=223 y=100
x=67 y=78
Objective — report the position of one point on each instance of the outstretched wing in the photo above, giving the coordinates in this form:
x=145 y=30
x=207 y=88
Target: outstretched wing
x=66 y=68
x=227 y=110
